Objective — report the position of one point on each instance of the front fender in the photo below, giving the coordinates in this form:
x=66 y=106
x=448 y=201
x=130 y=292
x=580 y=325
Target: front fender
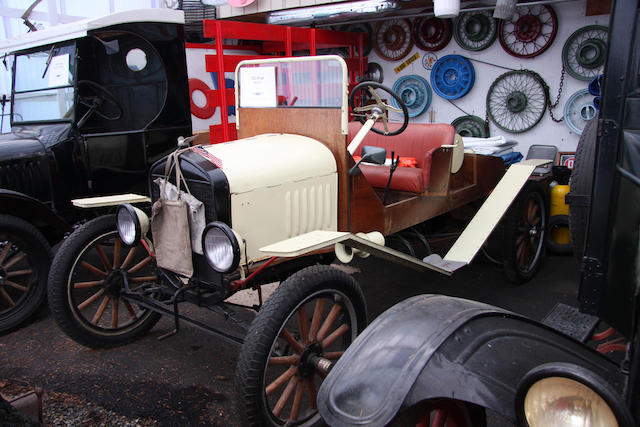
x=434 y=346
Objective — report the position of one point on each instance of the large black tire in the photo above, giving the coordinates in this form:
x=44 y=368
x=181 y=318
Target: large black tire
x=25 y=256
x=525 y=228
x=275 y=351
x=86 y=279
x=581 y=184
x=442 y=412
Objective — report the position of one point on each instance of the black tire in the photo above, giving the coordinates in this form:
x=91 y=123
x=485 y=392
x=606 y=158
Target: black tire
x=582 y=184
x=556 y=222
x=77 y=283
x=293 y=300
x=446 y=411
x=525 y=227
x=25 y=257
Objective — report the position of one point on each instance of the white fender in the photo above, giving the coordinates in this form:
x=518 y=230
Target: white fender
x=345 y=253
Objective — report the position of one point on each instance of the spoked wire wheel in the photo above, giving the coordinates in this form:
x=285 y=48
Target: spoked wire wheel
x=415 y=93
x=431 y=33
x=393 y=39
x=530 y=32
x=88 y=276
x=516 y=101
x=475 y=30
x=316 y=313
x=472 y=126
x=585 y=51
x=579 y=110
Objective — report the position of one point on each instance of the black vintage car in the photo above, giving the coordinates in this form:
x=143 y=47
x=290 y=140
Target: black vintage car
x=94 y=104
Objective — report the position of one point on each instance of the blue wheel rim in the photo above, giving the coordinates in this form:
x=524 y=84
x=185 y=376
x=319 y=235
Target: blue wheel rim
x=452 y=76
x=415 y=92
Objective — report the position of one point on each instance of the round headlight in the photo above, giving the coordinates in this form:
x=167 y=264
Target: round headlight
x=132 y=224
x=220 y=247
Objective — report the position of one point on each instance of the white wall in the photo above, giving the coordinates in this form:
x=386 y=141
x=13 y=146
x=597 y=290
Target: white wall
x=571 y=16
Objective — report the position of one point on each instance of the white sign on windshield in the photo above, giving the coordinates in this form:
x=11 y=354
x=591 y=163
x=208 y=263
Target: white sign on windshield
x=258 y=87
x=59 y=71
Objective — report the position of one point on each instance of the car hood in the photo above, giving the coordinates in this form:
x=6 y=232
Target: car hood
x=31 y=141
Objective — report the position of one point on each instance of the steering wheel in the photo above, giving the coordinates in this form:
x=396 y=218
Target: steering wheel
x=365 y=111
x=98 y=96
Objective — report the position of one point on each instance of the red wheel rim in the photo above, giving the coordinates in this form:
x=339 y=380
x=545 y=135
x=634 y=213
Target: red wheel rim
x=530 y=32
x=393 y=39
x=432 y=34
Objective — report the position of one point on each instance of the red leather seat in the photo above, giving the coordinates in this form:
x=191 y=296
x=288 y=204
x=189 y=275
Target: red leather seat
x=419 y=140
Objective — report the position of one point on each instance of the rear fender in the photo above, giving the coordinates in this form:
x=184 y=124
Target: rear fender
x=434 y=346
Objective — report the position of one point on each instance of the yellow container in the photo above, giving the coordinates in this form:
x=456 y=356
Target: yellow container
x=558 y=206
x=559 y=228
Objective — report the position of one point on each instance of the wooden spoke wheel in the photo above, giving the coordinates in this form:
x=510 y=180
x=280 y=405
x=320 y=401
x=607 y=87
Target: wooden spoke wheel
x=525 y=232
x=530 y=32
x=88 y=275
x=24 y=264
x=316 y=313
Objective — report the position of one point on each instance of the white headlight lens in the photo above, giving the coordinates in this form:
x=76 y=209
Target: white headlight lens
x=127 y=225
x=560 y=402
x=219 y=249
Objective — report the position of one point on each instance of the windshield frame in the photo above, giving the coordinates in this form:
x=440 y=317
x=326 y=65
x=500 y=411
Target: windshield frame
x=71 y=45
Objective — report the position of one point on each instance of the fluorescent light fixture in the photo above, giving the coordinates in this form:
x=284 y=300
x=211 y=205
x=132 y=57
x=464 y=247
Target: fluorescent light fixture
x=332 y=11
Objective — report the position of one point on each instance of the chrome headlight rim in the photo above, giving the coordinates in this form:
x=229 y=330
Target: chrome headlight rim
x=579 y=374
x=228 y=232
x=136 y=223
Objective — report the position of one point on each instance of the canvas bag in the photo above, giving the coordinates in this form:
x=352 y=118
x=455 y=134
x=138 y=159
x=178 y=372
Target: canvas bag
x=170 y=225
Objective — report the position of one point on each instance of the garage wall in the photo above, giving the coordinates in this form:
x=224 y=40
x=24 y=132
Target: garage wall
x=571 y=16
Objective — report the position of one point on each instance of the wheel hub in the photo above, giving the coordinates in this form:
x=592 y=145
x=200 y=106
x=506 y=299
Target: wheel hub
x=3 y=277
x=477 y=27
x=306 y=366
x=409 y=96
x=591 y=53
x=516 y=101
x=527 y=28
x=450 y=77
x=114 y=282
x=432 y=30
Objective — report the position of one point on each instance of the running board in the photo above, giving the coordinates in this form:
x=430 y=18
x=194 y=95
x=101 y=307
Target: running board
x=463 y=250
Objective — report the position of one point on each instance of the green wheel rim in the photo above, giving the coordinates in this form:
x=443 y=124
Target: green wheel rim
x=516 y=101
x=470 y=126
x=585 y=51
x=475 y=30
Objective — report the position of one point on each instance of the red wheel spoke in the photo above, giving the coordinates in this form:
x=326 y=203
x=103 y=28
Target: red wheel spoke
x=91 y=284
x=5 y=252
x=297 y=402
x=130 y=309
x=16 y=259
x=140 y=265
x=302 y=325
x=328 y=321
x=292 y=341
x=285 y=396
x=284 y=360
x=116 y=253
x=335 y=335
x=19 y=272
x=114 y=312
x=315 y=320
x=93 y=269
x=14 y=285
x=90 y=300
x=7 y=298
x=333 y=354
x=313 y=394
x=278 y=382
x=103 y=257
x=129 y=257
x=98 y=315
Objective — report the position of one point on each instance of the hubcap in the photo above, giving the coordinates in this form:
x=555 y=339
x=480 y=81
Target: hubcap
x=591 y=53
x=306 y=366
x=516 y=102
x=527 y=28
x=114 y=282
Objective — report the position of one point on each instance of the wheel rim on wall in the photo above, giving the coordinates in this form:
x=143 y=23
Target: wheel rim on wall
x=584 y=52
x=432 y=33
x=415 y=93
x=475 y=30
x=516 y=101
x=393 y=39
x=374 y=73
x=530 y=32
x=472 y=126
x=579 y=110
x=452 y=76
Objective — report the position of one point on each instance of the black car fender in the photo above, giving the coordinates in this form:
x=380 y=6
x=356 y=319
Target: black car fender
x=34 y=211
x=434 y=346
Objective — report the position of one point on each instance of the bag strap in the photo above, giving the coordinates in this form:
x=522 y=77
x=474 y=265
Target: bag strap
x=173 y=162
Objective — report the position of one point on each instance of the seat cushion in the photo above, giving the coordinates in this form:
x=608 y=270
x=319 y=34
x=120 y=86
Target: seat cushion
x=404 y=179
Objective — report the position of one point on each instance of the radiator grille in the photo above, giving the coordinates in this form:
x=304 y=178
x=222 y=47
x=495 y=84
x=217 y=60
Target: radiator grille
x=200 y=190
x=194 y=13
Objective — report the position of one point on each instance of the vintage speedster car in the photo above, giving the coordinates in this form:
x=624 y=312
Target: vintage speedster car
x=276 y=201
x=94 y=104
x=440 y=360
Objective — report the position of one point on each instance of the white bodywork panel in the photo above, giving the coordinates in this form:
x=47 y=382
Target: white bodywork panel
x=97 y=202
x=80 y=28
x=463 y=250
x=281 y=186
